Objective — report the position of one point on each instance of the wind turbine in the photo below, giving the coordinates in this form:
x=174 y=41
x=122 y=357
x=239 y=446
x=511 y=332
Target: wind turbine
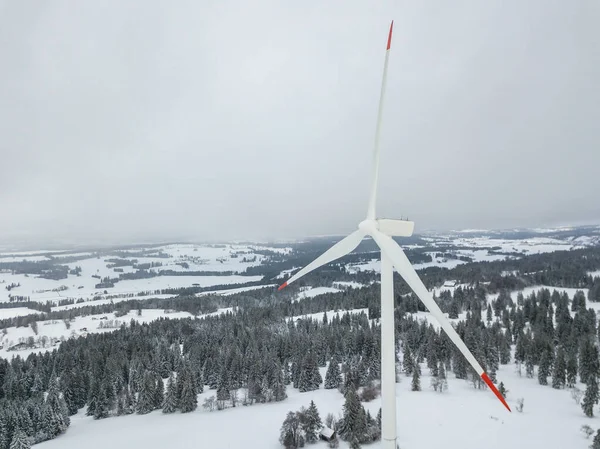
x=381 y=230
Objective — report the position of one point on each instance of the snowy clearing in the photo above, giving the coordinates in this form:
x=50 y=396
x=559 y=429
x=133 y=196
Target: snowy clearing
x=461 y=417
x=311 y=292
x=348 y=284
x=177 y=258
x=16 y=311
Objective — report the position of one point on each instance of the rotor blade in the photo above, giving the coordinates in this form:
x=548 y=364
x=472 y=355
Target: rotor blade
x=373 y=195
x=341 y=248
x=406 y=270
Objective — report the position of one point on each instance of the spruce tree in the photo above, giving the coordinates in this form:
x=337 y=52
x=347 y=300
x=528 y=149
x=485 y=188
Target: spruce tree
x=502 y=390
x=442 y=381
x=38 y=384
x=529 y=367
x=50 y=421
x=560 y=369
x=544 y=368
x=520 y=348
x=505 y=348
x=4 y=441
x=25 y=423
x=407 y=361
x=287 y=376
x=596 y=442
x=159 y=391
x=591 y=397
x=374 y=430
x=223 y=386
x=121 y=403
x=375 y=365
x=416 y=378
x=171 y=400
x=70 y=396
x=310 y=378
x=333 y=377
x=60 y=413
x=353 y=425
x=19 y=440
x=103 y=406
x=432 y=358
x=145 y=401
x=311 y=423
x=588 y=360
x=188 y=402
x=295 y=374
x=459 y=365
x=129 y=403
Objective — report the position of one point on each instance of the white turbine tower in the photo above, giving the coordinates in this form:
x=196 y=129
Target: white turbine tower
x=382 y=230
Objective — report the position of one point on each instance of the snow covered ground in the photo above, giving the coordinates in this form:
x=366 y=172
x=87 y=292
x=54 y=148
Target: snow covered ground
x=233 y=291
x=286 y=272
x=182 y=257
x=489 y=239
x=460 y=418
x=311 y=292
x=533 y=245
x=15 y=312
x=375 y=264
x=348 y=284
x=38 y=289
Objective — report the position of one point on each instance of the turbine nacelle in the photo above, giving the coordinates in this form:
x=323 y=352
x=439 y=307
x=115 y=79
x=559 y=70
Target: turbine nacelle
x=387 y=226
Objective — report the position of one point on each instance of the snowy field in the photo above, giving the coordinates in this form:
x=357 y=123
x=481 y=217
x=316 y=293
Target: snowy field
x=476 y=255
x=181 y=257
x=348 y=284
x=311 y=292
x=15 y=312
x=233 y=291
x=460 y=418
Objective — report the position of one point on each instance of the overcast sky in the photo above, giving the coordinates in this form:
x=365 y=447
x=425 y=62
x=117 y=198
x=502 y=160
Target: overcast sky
x=221 y=119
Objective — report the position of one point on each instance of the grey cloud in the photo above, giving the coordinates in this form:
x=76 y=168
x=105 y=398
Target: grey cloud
x=208 y=120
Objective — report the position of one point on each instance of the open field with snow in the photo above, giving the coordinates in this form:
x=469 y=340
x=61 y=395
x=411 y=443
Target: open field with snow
x=178 y=258
x=478 y=249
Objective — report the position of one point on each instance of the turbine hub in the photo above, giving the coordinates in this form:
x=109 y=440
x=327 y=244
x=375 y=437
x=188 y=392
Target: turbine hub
x=368 y=226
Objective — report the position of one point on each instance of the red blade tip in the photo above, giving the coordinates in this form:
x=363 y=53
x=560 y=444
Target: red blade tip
x=389 y=43
x=282 y=286
x=490 y=384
